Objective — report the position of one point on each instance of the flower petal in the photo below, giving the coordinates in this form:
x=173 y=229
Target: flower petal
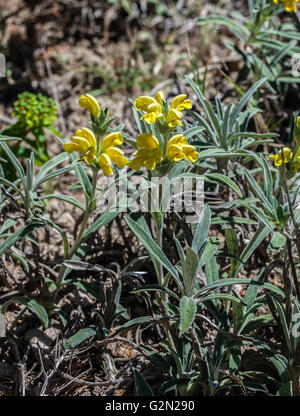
x=287 y=154
x=150 y=164
x=72 y=147
x=150 y=118
x=174 y=117
x=114 y=152
x=155 y=108
x=178 y=139
x=142 y=103
x=90 y=102
x=117 y=156
x=177 y=100
x=147 y=140
x=112 y=139
x=121 y=162
x=136 y=163
x=82 y=142
x=177 y=156
x=159 y=96
x=193 y=156
x=89 y=136
x=105 y=165
x=186 y=104
x=174 y=152
x=294 y=167
x=90 y=156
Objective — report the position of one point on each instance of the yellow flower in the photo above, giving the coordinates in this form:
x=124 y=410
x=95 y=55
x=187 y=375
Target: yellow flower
x=178 y=149
x=84 y=141
x=297 y=156
x=151 y=106
x=173 y=118
x=90 y=102
x=294 y=167
x=149 y=153
x=155 y=109
x=290 y=5
x=109 y=153
x=178 y=104
x=287 y=153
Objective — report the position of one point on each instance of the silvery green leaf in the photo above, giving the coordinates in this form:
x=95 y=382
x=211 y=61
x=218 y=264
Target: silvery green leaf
x=78 y=338
x=202 y=229
x=190 y=270
x=187 y=313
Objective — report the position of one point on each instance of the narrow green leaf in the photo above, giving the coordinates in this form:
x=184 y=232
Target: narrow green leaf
x=31 y=304
x=226 y=21
x=18 y=235
x=7 y=224
x=209 y=250
x=79 y=337
x=220 y=296
x=154 y=287
x=227 y=181
x=258 y=191
x=227 y=282
x=104 y=219
x=8 y=138
x=284 y=324
x=285 y=390
x=141 y=386
x=52 y=163
x=65 y=198
x=202 y=229
x=14 y=161
x=133 y=322
x=187 y=313
x=190 y=270
x=154 y=249
x=233 y=248
x=255 y=241
x=237 y=110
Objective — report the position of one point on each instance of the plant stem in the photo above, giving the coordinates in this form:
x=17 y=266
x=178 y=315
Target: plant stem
x=286 y=188
x=158 y=232
x=163 y=297
x=89 y=209
x=166 y=137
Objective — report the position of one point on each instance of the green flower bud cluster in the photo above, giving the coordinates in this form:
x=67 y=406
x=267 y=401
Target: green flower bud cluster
x=35 y=110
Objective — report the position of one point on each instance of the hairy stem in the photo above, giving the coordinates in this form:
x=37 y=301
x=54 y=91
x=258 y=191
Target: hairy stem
x=89 y=209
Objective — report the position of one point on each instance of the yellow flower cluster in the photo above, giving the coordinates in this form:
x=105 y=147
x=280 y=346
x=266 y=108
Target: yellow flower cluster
x=156 y=108
x=103 y=153
x=179 y=149
x=290 y=5
x=149 y=153
x=85 y=142
x=292 y=162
